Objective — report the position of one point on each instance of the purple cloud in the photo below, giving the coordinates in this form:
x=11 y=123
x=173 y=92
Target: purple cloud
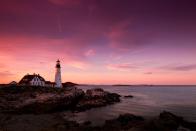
x=65 y=2
x=122 y=66
x=124 y=29
x=189 y=67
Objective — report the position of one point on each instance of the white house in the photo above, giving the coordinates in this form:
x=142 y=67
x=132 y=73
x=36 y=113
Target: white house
x=33 y=80
x=37 y=80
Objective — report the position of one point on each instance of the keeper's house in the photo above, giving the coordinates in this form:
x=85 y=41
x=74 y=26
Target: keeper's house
x=32 y=80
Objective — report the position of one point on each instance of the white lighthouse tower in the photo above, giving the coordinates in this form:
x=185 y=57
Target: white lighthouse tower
x=58 y=75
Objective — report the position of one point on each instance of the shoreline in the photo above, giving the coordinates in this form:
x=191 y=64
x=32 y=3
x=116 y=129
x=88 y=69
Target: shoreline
x=37 y=109
x=38 y=100
x=166 y=121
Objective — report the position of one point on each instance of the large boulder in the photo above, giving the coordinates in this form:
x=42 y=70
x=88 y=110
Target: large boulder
x=169 y=122
x=123 y=122
x=97 y=92
x=69 y=84
x=166 y=121
x=97 y=97
x=128 y=96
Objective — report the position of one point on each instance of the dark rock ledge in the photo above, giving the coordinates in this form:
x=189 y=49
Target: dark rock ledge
x=46 y=100
x=128 y=96
x=96 y=98
x=127 y=122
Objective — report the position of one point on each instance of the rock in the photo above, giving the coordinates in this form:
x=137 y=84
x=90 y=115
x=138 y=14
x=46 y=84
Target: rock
x=180 y=128
x=100 y=93
x=129 y=117
x=87 y=123
x=56 y=122
x=97 y=98
x=189 y=125
x=165 y=122
x=97 y=92
x=47 y=100
x=170 y=119
x=69 y=84
x=168 y=122
x=128 y=96
x=38 y=99
x=124 y=122
x=167 y=116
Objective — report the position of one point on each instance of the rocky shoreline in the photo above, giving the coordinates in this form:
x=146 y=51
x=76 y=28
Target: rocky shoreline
x=39 y=109
x=166 y=121
x=37 y=100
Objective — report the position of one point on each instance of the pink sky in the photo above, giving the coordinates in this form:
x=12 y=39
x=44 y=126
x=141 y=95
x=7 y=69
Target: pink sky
x=126 y=42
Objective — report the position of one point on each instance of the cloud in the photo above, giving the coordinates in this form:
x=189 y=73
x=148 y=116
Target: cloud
x=187 y=67
x=73 y=30
x=148 y=73
x=67 y=3
x=90 y=52
x=43 y=51
x=78 y=64
x=124 y=37
x=6 y=73
x=122 y=66
x=43 y=19
x=118 y=36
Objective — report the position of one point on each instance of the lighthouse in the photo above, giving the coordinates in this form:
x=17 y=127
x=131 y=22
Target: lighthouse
x=58 y=75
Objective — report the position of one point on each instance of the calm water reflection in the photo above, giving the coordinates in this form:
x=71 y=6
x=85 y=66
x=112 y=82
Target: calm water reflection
x=148 y=101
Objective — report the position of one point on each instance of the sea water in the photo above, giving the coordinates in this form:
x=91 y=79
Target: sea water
x=147 y=101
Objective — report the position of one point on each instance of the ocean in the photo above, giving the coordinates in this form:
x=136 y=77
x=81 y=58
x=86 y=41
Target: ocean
x=147 y=101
